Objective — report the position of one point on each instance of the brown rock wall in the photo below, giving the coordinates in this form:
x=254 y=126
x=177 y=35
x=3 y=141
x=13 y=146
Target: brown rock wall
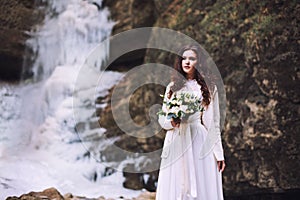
x=255 y=45
x=17 y=18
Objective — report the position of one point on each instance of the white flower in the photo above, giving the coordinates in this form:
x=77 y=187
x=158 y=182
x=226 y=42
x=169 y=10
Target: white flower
x=174 y=110
x=183 y=104
x=184 y=108
x=173 y=101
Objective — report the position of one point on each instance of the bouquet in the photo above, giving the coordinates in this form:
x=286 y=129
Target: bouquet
x=182 y=105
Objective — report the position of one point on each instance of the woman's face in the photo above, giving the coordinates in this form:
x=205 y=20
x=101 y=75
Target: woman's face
x=189 y=62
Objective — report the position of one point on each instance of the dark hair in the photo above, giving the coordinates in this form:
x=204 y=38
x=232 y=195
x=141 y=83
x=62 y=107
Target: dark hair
x=201 y=72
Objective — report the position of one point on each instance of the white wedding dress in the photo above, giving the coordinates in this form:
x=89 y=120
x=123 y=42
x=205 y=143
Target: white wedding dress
x=188 y=169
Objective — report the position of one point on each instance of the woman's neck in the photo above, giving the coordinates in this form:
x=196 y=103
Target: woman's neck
x=190 y=77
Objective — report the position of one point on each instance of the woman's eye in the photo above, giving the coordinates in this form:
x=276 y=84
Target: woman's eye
x=190 y=58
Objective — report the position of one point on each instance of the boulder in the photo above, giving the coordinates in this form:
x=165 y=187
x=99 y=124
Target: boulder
x=50 y=193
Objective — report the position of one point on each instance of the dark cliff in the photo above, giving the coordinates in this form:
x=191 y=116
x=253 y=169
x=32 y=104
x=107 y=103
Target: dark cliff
x=255 y=45
x=17 y=19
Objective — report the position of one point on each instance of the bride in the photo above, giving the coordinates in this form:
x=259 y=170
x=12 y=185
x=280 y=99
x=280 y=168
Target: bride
x=192 y=159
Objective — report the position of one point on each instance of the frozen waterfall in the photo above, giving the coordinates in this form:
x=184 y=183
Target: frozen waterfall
x=39 y=147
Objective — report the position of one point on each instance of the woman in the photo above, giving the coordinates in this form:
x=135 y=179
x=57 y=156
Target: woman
x=192 y=158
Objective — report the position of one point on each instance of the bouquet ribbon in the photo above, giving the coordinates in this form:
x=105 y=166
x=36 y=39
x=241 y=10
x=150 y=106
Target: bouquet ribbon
x=189 y=185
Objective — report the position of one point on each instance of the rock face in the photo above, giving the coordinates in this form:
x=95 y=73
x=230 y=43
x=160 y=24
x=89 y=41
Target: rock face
x=255 y=45
x=53 y=194
x=129 y=14
x=17 y=17
x=50 y=194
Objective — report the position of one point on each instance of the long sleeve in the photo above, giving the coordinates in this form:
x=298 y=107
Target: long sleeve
x=162 y=119
x=211 y=119
x=218 y=148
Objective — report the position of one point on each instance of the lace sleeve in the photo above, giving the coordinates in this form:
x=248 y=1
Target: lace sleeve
x=218 y=148
x=162 y=119
x=211 y=120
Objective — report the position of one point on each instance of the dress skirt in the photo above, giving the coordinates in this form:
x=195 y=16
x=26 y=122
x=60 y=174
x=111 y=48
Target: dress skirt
x=184 y=174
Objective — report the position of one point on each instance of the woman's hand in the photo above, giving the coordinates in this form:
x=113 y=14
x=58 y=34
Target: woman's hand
x=221 y=165
x=175 y=122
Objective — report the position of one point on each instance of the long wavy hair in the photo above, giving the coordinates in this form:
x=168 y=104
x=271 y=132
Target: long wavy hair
x=202 y=75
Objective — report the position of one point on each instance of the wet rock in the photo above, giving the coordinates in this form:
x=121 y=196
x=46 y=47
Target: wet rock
x=17 y=18
x=129 y=14
x=133 y=181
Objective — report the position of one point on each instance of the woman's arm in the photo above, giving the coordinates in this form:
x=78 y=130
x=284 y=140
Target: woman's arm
x=218 y=148
x=164 y=122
